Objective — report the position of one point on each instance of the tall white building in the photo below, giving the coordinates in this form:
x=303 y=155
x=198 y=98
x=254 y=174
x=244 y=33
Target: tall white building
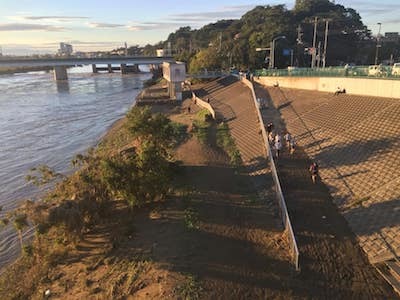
x=65 y=49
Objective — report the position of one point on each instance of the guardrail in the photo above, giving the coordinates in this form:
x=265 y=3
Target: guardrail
x=354 y=71
x=198 y=101
x=208 y=74
x=281 y=200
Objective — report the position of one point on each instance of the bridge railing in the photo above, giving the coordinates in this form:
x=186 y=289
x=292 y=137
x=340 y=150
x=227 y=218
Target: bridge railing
x=208 y=74
x=294 y=251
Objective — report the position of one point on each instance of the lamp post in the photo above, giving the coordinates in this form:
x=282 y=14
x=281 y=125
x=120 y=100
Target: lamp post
x=272 y=54
x=378 y=43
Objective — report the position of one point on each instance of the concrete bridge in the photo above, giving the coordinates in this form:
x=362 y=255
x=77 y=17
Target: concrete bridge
x=60 y=64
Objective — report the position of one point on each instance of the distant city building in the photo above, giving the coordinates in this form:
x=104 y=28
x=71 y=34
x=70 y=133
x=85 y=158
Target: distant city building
x=65 y=49
x=80 y=54
x=392 y=36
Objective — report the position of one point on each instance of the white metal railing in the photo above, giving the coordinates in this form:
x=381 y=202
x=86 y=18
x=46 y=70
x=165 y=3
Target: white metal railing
x=281 y=200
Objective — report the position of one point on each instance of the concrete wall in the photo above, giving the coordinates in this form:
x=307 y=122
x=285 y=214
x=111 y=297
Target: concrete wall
x=357 y=86
x=203 y=104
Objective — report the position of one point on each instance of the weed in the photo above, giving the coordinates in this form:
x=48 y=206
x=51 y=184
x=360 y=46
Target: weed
x=191 y=219
x=226 y=142
x=190 y=289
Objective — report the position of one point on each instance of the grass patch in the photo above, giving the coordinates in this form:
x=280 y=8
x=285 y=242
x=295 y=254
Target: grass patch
x=201 y=126
x=191 y=219
x=190 y=289
x=226 y=142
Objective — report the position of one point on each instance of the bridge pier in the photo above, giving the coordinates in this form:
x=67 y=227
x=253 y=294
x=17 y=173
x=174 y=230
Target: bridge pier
x=60 y=73
x=94 y=69
x=110 y=70
x=135 y=69
x=124 y=69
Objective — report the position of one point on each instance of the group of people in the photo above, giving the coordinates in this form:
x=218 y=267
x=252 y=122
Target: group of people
x=276 y=141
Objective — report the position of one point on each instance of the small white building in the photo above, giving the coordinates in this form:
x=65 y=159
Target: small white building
x=175 y=74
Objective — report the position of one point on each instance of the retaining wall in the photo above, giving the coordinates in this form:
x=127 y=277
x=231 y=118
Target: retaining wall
x=357 y=86
x=279 y=194
x=203 y=104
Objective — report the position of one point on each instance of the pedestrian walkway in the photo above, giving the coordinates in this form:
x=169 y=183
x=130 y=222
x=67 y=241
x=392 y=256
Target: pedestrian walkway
x=233 y=103
x=356 y=141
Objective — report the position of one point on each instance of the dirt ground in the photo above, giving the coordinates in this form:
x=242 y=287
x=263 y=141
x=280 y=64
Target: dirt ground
x=211 y=240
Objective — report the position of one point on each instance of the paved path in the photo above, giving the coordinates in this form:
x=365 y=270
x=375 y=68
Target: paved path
x=356 y=140
x=233 y=102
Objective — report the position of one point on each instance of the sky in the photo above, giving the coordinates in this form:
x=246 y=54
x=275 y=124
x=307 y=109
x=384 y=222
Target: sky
x=38 y=26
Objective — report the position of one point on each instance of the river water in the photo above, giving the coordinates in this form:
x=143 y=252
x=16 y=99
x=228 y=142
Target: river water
x=47 y=122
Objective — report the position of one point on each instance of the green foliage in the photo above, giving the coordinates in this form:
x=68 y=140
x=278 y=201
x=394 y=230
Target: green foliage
x=42 y=175
x=136 y=174
x=154 y=128
x=226 y=142
x=189 y=289
x=191 y=219
x=232 y=43
x=201 y=126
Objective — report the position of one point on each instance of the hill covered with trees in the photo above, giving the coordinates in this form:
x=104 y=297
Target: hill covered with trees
x=233 y=43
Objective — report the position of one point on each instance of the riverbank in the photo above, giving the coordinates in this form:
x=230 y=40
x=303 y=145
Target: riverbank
x=39 y=124
x=210 y=236
x=138 y=253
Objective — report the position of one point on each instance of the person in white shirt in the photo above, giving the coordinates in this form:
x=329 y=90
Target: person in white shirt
x=278 y=147
x=288 y=138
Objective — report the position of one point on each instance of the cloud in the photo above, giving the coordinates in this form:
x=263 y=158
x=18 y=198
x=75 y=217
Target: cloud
x=104 y=25
x=370 y=7
x=29 y=27
x=227 y=12
x=153 y=25
x=224 y=12
x=58 y=18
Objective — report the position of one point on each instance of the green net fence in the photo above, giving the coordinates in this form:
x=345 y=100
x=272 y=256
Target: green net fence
x=354 y=71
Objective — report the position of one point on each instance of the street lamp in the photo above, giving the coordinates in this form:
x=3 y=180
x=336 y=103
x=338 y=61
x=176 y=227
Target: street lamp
x=272 y=53
x=378 y=43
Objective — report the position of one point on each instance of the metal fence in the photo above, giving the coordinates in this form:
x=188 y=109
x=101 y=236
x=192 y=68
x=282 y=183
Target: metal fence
x=281 y=199
x=383 y=72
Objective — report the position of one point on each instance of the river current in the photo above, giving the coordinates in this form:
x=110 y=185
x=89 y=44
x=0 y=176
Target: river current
x=47 y=122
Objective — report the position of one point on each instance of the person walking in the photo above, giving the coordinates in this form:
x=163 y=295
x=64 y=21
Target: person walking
x=278 y=147
x=278 y=138
x=292 y=145
x=271 y=137
x=314 y=171
x=288 y=138
x=270 y=127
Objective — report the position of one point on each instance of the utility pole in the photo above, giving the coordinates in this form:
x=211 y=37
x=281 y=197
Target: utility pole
x=314 y=42
x=299 y=35
x=291 y=57
x=378 y=43
x=319 y=55
x=325 y=43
